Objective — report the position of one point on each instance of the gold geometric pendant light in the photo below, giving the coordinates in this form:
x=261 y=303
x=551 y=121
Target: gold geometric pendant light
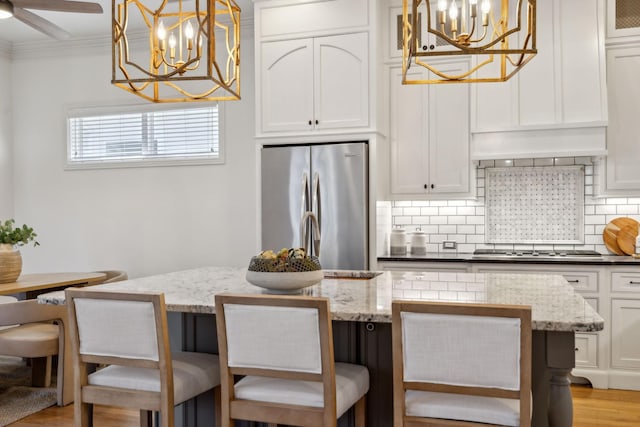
x=190 y=55
x=497 y=36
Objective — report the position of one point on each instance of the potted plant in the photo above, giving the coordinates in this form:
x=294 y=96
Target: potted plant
x=11 y=238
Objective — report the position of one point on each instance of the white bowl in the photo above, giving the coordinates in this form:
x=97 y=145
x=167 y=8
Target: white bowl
x=284 y=283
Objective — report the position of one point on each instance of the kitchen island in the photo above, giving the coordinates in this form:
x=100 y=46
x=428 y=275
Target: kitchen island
x=361 y=312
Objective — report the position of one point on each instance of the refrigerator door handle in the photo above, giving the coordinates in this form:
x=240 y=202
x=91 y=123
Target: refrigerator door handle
x=304 y=208
x=317 y=209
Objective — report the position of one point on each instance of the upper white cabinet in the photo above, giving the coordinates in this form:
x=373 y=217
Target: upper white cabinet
x=312 y=67
x=623 y=134
x=429 y=137
x=314 y=83
x=623 y=19
x=557 y=104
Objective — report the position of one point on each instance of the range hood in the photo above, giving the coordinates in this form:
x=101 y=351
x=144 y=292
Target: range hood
x=586 y=139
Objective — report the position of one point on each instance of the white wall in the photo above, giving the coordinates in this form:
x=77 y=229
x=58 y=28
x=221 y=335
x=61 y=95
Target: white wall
x=142 y=220
x=6 y=153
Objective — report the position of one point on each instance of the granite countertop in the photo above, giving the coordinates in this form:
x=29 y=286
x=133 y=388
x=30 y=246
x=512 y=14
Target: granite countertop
x=555 y=304
x=469 y=257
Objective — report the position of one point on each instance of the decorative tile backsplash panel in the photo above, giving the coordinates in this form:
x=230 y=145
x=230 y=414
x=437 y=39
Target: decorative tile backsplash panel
x=534 y=204
x=464 y=221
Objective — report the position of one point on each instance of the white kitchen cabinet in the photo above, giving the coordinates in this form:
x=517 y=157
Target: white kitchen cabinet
x=623 y=19
x=623 y=134
x=556 y=105
x=625 y=325
x=429 y=137
x=314 y=84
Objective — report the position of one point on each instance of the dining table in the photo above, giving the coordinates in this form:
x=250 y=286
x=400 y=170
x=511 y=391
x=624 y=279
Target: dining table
x=361 y=317
x=34 y=284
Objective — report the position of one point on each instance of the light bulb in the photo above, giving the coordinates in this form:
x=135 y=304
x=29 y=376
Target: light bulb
x=486 y=6
x=473 y=2
x=442 y=5
x=188 y=30
x=453 y=11
x=162 y=32
x=172 y=41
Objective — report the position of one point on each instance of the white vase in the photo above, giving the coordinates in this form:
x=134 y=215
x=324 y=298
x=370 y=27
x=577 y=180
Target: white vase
x=10 y=263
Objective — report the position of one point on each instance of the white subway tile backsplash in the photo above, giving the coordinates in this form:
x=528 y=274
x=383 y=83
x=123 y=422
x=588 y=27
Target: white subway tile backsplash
x=466 y=210
x=605 y=209
x=457 y=220
x=429 y=211
x=447 y=211
x=411 y=211
x=627 y=209
x=463 y=221
x=543 y=162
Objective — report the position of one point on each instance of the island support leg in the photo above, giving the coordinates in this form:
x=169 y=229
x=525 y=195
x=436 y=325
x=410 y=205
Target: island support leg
x=560 y=361
x=552 y=362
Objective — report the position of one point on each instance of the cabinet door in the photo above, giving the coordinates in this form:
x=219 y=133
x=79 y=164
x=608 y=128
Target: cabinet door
x=449 y=163
x=625 y=332
x=286 y=93
x=623 y=140
x=623 y=18
x=408 y=132
x=341 y=81
x=562 y=85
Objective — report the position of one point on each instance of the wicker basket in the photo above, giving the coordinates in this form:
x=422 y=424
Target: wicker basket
x=10 y=263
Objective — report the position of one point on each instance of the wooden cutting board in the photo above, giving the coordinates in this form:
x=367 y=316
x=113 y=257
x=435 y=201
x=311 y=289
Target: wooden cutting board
x=611 y=230
x=627 y=239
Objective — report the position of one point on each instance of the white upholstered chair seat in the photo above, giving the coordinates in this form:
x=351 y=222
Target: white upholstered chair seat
x=352 y=382
x=193 y=373
x=490 y=410
x=34 y=339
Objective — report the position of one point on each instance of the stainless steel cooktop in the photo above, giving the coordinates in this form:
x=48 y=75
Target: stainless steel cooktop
x=536 y=254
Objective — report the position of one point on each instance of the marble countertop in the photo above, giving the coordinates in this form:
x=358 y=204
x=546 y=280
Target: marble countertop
x=605 y=259
x=555 y=304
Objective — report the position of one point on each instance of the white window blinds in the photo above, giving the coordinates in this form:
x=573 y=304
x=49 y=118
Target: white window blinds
x=141 y=137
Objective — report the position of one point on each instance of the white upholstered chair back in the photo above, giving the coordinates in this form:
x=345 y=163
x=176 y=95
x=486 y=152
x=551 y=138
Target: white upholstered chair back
x=288 y=337
x=276 y=363
x=448 y=358
x=461 y=350
x=131 y=323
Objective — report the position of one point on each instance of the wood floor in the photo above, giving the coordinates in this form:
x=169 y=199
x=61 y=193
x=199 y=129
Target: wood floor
x=592 y=408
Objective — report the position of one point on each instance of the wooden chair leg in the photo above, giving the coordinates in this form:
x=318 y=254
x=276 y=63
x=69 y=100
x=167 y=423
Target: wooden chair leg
x=146 y=418
x=361 y=411
x=217 y=404
x=41 y=372
x=83 y=414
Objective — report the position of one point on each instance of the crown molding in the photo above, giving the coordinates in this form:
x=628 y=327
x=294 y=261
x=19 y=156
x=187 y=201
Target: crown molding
x=87 y=46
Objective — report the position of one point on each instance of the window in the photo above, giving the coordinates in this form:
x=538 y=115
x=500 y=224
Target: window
x=143 y=136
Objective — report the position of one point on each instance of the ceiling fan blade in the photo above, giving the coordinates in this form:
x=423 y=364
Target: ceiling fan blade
x=59 y=5
x=40 y=24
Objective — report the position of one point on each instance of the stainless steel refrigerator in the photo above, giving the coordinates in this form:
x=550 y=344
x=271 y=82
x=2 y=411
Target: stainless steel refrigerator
x=331 y=182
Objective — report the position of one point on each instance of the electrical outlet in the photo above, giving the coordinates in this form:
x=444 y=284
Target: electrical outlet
x=447 y=244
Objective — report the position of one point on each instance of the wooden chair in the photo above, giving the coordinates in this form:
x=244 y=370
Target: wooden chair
x=37 y=332
x=283 y=346
x=128 y=333
x=458 y=365
x=114 y=275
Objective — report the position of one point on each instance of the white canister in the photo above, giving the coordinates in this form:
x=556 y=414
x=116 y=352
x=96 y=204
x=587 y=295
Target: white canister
x=398 y=241
x=418 y=243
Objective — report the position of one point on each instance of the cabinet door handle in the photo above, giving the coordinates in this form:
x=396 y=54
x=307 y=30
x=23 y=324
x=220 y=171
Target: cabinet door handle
x=317 y=122
x=425 y=186
x=433 y=186
x=577 y=349
x=631 y=282
x=573 y=281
